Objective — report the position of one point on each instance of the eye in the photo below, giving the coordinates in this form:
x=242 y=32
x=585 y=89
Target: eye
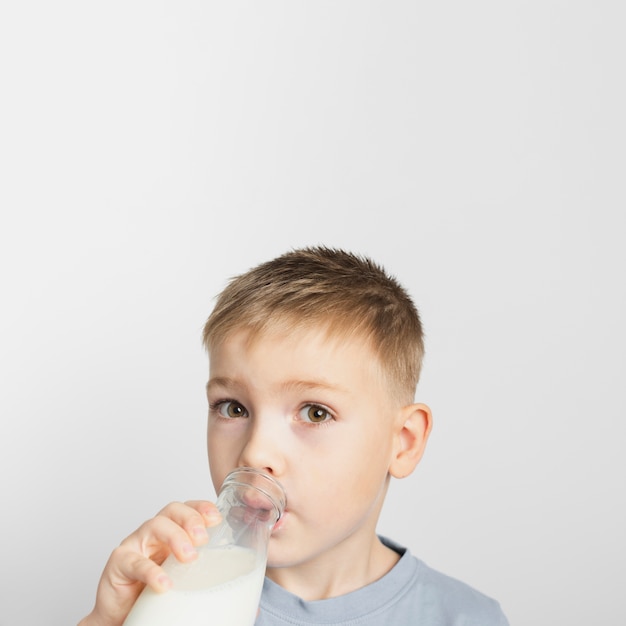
x=230 y=409
x=315 y=414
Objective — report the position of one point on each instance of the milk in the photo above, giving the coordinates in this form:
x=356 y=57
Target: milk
x=222 y=587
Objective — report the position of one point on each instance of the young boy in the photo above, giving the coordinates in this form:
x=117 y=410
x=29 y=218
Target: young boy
x=314 y=360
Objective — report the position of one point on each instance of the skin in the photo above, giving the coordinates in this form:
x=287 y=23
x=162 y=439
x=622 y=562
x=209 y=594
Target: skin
x=176 y=529
x=322 y=421
x=317 y=415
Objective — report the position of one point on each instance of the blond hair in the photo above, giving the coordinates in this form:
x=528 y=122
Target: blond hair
x=319 y=286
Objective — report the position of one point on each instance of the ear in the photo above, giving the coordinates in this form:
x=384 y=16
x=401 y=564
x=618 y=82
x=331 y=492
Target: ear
x=413 y=428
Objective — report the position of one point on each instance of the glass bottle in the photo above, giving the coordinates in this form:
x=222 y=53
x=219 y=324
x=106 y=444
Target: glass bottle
x=222 y=587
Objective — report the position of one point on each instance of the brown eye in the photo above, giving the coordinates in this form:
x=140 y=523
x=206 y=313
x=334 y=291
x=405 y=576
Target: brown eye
x=315 y=414
x=232 y=409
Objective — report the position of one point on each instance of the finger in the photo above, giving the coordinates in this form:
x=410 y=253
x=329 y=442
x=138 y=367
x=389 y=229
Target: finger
x=129 y=568
x=194 y=516
x=151 y=574
x=161 y=536
x=208 y=510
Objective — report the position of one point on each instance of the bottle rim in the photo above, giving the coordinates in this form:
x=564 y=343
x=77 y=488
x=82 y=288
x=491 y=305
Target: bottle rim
x=274 y=490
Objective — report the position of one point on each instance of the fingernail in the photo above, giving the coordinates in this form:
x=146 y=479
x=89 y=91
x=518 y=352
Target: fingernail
x=164 y=582
x=199 y=532
x=188 y=548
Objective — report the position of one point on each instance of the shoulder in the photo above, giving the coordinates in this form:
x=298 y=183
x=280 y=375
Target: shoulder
x=442 y=599
x=457 y=601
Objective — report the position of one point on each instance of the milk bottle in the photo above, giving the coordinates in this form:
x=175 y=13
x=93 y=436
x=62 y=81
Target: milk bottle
x=223 y=585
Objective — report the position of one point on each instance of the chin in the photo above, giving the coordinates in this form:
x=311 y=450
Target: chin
x=282 y=552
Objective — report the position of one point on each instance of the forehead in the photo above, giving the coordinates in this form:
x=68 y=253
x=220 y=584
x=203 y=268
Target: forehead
x=310 y=353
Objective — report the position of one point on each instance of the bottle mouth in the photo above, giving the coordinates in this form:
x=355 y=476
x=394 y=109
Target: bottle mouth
x=260 y=491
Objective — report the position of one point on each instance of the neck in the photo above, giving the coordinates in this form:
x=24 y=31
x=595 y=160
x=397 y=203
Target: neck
x=348 y=567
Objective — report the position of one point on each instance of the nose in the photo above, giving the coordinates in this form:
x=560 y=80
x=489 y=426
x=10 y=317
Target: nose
x=262 y=448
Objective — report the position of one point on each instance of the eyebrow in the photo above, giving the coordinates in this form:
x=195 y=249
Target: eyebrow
x=221 y=381
x=288 y=385
x=310 y=385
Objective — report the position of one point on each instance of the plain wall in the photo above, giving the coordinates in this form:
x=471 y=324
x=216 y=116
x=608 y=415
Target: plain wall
x=150 y=151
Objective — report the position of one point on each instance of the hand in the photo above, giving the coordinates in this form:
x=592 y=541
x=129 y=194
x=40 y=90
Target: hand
x=176 y=529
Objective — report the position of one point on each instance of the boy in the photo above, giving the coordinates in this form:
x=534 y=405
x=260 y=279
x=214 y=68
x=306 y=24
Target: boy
x=314 y=360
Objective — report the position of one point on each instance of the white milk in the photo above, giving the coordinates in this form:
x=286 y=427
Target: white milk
x=221 y=588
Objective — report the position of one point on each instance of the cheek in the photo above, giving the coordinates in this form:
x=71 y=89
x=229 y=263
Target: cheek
x=221 y=461
x=370 y=449
x=343 y=479
x=365 y=468
x=223 y=448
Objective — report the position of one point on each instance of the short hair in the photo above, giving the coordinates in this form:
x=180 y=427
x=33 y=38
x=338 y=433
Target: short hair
x=320 y=286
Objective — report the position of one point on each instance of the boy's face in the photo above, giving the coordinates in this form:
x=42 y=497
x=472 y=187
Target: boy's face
x=315 y=414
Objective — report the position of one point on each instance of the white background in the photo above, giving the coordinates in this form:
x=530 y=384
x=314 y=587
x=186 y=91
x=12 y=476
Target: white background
x=151 y=150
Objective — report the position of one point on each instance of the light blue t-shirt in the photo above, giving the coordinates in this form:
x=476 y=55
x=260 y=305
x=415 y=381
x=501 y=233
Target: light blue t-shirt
x=411 y=594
